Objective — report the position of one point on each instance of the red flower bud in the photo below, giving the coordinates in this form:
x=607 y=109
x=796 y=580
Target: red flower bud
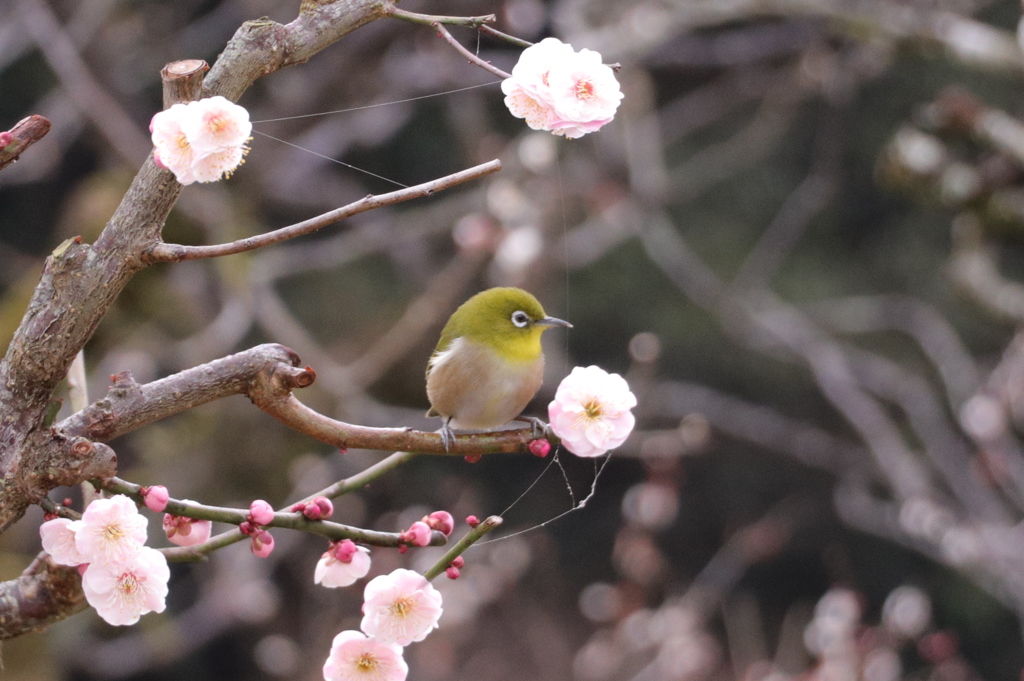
x=473 y=458
x=452 y=573
x=472 y=521
x=539 y=447
x=458 y=562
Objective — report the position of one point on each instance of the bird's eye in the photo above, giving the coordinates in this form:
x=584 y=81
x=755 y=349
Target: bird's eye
x=520 y=318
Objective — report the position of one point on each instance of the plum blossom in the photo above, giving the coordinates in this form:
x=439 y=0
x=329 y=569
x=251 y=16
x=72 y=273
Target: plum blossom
x=555 y=88
x=201 y=141
x=123 y=592
x=342 y=564
x=400 y=608
x=261 y=543
x=356 y=657
x=58 y=537
x=185 y=531
x=216 y=123
x=112 y=530
x=591 y=411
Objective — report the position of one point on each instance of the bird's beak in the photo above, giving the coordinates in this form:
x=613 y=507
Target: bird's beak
x=551 y=321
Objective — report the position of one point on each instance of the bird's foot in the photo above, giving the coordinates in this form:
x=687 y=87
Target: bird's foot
x=538 y=426
x=447 y=436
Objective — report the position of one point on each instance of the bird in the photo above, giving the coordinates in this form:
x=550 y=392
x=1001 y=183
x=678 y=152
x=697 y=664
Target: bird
x=488 y=364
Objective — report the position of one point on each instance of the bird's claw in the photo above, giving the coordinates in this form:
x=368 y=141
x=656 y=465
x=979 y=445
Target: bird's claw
x=447 y=436
x=538 y=426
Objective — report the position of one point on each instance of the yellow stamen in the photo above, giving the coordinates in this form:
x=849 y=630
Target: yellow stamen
x=367 y=663
x=402 y=607
x=113 y=532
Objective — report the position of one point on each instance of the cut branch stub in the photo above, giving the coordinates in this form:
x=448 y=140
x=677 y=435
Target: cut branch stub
x=183 y=81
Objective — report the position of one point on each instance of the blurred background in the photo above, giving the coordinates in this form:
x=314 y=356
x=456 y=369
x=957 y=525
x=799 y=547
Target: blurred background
x=798 y=241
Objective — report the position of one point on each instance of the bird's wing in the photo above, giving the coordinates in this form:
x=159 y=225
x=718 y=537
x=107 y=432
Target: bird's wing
x=448 y=334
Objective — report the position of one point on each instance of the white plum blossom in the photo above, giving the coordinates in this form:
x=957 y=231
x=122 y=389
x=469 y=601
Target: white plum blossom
x=356 y=657
x=215 y=124
x=172 y=148
x=58 y=537
x=591 y=411
x=400 y=608
x=112 y=530
x=123 y=592
x=555 y=88
x=201 y=141
x=333 y=570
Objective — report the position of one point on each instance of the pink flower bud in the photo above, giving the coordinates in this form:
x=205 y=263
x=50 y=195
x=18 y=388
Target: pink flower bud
x=82 y=568
x=5 y=138
x=320 y=508
x=472 y=521
x=262 y=543
x=458 y=562
x=442 y=521
x=260 y=513
x=452 y=573
x=402 y=548
x=539 y=447
x=418 y=534
x=344 y=550
x=246 y=528
x=473 y=458
x=155 y=497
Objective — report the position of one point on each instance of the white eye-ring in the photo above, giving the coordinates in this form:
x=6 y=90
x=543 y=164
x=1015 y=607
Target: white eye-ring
x=520 y=318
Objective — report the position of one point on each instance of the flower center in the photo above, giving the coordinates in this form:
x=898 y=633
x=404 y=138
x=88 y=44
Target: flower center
x=367 y=663
x=593 y=410
x=182 y=142
x=403 y=606
x=584 y=89
x=128 y=584
x=113 y=533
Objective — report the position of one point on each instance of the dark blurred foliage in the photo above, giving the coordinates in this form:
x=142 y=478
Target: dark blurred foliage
x=761 y=243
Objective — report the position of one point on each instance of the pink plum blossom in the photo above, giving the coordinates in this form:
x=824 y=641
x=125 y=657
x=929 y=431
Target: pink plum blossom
x=58 y=537
x=155 y=497
x=185 y=531
x=123 y=592
x=400 y=608
x=342 y=565
x=261 y=543
x=591 y=411
x=112 y=530
x=319 y=508
x=356 y=657
x=555 y=88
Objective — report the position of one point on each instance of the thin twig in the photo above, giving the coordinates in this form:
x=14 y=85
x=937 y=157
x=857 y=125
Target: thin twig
x=467 y=540
x=495 y=33
x=431 y=19
x=283 y=519
x=177 y=253
x=472 y=58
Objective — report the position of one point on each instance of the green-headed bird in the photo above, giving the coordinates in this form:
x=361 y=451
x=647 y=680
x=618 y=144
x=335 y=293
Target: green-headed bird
x=488 y=364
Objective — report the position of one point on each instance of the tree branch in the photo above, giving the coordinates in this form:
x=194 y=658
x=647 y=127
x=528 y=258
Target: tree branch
x=431 y=19
x=177 y=253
